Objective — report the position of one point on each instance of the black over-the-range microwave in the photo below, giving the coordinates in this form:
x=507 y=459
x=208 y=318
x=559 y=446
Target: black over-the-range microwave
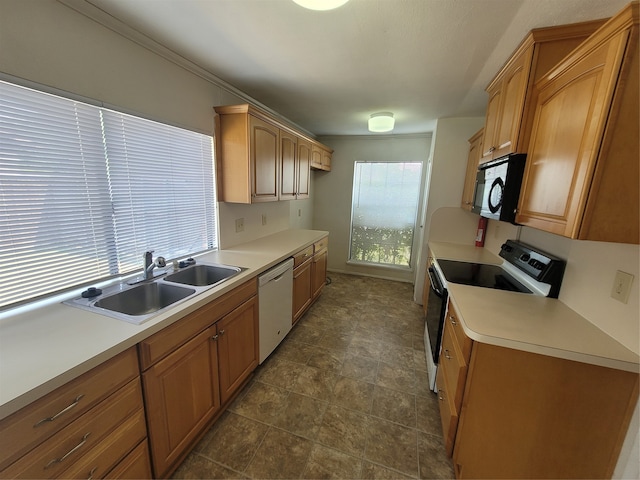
x=497 y=188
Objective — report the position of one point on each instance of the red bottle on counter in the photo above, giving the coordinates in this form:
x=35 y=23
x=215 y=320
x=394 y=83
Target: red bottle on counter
x=482 y=231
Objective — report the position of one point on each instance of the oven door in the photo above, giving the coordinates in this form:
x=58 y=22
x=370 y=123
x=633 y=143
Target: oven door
x=434 y=322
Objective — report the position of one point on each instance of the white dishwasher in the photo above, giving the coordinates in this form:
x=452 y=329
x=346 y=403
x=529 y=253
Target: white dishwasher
x=275 y=300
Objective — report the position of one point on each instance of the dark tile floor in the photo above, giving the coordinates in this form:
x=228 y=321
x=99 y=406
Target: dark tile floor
x=344 y=396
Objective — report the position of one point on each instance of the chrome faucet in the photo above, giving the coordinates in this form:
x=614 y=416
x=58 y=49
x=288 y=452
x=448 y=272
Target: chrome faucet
x=149 y=264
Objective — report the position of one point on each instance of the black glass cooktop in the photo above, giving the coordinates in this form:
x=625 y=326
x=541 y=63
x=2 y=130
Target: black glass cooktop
x=480 y=275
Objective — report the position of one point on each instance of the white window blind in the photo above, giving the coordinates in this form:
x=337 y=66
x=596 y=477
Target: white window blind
x=85 y=191
x=384 y=209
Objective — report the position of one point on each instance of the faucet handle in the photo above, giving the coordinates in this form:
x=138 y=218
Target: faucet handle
x=161 y=262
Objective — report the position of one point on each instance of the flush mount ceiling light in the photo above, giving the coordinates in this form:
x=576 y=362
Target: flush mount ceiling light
x=381 y=122
x=321 y=4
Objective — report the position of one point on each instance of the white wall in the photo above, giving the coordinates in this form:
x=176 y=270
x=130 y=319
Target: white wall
x=445 y=177
x=333 y=190
x=48 y=43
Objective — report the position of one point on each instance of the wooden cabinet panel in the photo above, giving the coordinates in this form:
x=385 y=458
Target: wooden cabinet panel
x=261 y=159
x=264 y=155
x=72 y=443
x=473 y=160
x=161 y=344
x=38 y=421
x=302 y=289
x=288 y=165
x=319 y=271
x=304 y=166
x=238 y=348
x=586 y=109
x=532 y=416
x=182 y=395
x=136 y=465
x=448 y=411
x=509 y=115
x=113 y=449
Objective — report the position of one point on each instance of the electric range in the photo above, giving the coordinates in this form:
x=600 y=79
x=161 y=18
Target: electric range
x=525 y=270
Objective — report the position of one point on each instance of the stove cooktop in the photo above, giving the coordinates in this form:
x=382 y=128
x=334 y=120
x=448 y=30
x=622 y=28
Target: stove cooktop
x=480 y=275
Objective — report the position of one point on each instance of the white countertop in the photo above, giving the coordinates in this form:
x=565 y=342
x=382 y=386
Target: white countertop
x=530 y=323
x=47 y=347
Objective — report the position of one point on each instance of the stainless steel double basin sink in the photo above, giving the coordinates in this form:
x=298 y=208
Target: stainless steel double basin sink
x=144 y=300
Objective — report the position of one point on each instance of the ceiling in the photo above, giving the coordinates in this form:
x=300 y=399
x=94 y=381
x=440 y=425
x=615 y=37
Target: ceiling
x=328 y=71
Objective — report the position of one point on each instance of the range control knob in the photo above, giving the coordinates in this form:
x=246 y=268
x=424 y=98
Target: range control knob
x=506 y=248
x=525 y=257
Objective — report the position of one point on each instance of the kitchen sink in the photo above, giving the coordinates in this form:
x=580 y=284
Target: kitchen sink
x=144 y=299
x=203 y=275
x=138 y=301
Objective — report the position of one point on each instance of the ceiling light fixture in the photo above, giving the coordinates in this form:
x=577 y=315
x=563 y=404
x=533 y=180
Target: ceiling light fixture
x=381 y=122
x=321 y=4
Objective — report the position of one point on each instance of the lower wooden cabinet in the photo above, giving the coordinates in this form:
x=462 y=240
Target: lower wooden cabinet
x=309 y=275
x=182 y=396
x=188 y=382
x=86 y=428
x=507 y=413
x=238 y=347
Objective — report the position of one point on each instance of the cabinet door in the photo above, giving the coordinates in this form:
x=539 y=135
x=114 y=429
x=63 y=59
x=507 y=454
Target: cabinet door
x=304 y=165
x=491 y=123
x=571 y=112
x=237 y=347
x=316 y=157
x=181 y=396
x=326 y=160
x=302 y=289
x=288 y=167
x=475 y=150
x=319 y=271
x=514 y=88
x=264 y=154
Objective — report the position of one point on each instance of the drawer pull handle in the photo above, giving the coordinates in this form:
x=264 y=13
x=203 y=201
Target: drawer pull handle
x=446 y=354
x=93 y=470
x=61 y=412
x=70 y=452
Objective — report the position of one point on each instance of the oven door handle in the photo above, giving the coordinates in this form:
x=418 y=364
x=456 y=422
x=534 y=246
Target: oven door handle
x=436 y=284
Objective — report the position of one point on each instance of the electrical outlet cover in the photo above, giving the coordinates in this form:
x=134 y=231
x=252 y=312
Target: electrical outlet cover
x=622 y=286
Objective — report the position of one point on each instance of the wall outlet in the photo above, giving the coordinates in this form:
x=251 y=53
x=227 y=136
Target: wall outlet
x=622 y=286
x=264 y=219
x=239 y=225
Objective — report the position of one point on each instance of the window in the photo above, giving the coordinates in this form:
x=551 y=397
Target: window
x=383 y=212
x=85 y=191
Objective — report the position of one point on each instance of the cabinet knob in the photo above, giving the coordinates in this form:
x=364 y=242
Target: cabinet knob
x=446 y=354
x=215 y=337
x=492 y=149
x=221 y=332
x=452 y=319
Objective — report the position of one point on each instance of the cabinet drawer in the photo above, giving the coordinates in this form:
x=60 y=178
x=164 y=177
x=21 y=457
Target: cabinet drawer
x=33 y=424
x=115 y=447
x=300 y=257
x=51 y=458
x=136 y=465
x=464 y=342
x=168 y=339
x=321 y=244
x=455 y=371
x=448 y=411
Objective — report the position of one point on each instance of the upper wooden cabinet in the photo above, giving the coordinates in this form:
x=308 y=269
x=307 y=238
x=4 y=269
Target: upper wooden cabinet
x=261 y=159
x=581 y=179
x=475 y=151
x=321 y=158
x=509 y=116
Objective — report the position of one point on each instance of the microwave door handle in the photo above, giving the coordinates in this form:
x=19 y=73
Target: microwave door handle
x=436 y=285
